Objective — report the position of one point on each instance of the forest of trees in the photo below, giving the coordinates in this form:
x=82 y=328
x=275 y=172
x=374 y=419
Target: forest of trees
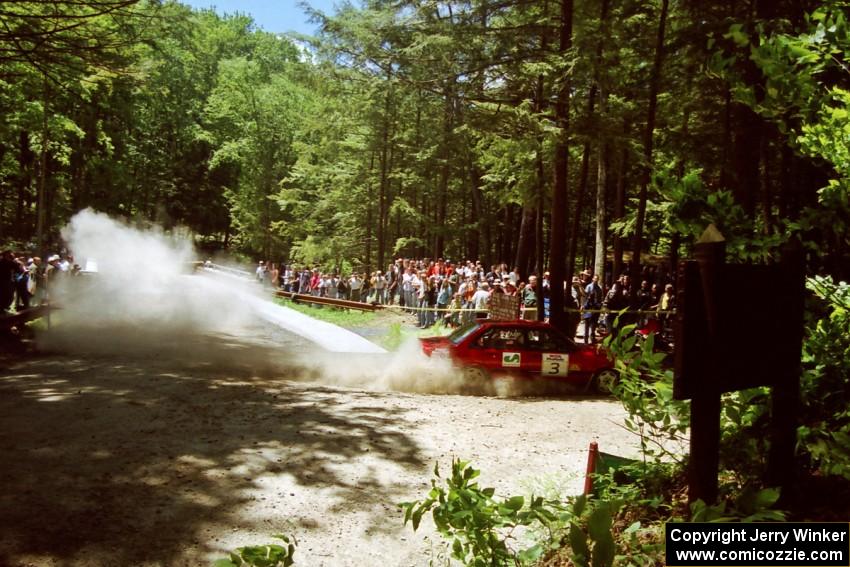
x=548 y=134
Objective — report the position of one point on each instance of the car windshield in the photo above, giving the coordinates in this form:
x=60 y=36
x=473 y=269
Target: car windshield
x=463 y=332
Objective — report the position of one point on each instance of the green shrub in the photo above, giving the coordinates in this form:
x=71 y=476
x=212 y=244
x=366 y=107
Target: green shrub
x=271 y=555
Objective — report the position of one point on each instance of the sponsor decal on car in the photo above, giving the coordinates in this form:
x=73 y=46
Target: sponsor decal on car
x=554 y=364
x=511 y=359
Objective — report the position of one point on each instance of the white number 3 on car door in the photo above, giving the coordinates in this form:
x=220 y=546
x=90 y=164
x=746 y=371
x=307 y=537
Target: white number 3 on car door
x=555 y=364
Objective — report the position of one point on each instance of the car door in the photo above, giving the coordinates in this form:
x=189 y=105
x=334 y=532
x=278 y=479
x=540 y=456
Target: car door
x=499 y=349
x=552 y=351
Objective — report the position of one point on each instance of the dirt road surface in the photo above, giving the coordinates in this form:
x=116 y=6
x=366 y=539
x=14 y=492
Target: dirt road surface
x=168 y=450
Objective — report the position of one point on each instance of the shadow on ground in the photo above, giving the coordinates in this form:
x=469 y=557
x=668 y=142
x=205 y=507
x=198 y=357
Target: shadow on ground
x=132 y=459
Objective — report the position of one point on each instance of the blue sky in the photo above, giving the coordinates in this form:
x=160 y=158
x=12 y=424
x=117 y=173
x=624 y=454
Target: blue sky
x=272 y=15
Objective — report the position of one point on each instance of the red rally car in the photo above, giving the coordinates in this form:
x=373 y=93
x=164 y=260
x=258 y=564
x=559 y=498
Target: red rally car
x=529 y=348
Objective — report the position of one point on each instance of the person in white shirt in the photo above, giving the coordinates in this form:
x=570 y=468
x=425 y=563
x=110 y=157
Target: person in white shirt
x=481 y=300
x=407 y=288
x=355 y=284
x=379 y=283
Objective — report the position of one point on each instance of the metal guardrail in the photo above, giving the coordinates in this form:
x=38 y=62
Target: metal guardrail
x=343 y=303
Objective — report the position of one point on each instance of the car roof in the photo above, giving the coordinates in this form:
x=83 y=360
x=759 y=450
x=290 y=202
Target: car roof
x=516 y=323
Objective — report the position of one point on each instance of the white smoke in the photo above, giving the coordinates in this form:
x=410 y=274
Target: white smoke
x=142 y=288
x=143 y=301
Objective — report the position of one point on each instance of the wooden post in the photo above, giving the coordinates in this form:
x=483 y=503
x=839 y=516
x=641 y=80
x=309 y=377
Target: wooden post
x=592 y=457
x=785 y=395
x=705 y=407
x=708 y=361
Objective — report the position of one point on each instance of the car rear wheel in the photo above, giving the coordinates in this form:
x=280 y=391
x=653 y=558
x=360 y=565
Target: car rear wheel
x=605 y=381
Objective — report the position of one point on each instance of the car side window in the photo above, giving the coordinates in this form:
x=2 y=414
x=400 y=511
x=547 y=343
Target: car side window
x=546 y=341
x=501 y=339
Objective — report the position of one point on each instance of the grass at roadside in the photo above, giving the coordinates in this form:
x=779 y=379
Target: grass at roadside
x=347 y=318
x=397 y=327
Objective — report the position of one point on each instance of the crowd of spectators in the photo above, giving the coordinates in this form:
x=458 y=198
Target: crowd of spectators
x=24 y=279
x=453 y=293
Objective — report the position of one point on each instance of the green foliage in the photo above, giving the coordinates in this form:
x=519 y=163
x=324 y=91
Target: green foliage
x=270 y=555
x=646 y=392
x=394 y=337
x=750 y=505
x=824 y=437
x=343 y=317
x=479 y=526
x=590 y=533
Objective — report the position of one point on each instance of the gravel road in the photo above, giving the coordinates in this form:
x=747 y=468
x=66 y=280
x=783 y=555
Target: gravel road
x=126 y=447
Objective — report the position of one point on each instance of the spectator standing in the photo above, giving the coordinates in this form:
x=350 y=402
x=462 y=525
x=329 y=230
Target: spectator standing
x=315 y=279
x=341 y=287
x=644 y=296
x=481 y=300
x=529 y=299
x=415 y=285
x=355 y=284
x=422 y=296
x=392 y=283
x=365 y=291
x=36 y=281
x=407 y=288
x=614 y=302
x=379 y=284
x=444 y=297
x=592 y=302
x=332 y=287
x=22 y=289
x=456 y=306
x=304 y=281
x=665 y=305
x=274 y=276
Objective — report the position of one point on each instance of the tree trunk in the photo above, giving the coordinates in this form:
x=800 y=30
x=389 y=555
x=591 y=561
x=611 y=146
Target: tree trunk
x=369 y=200
x=654 y=84
x=539 y=239
x=560 y=188
x=676 y=238
x=602 y=148
x=785 y=176
x=41 y=226
x=382 y=187
x=445 y=151
x=620 y=211
x=766 y=197
x=482 y=227
x=601 y=185
x=25 y=160
x=525 y=246
x=575 y=227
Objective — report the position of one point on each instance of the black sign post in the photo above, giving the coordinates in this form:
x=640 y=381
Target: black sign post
x=738 y=326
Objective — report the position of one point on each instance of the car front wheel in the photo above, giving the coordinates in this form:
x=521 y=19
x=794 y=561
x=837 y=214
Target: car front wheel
x=605 y=381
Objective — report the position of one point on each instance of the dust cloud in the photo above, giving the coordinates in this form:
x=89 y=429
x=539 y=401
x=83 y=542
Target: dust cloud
x=407 y=369
x=143 y=294
x=144 y=302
